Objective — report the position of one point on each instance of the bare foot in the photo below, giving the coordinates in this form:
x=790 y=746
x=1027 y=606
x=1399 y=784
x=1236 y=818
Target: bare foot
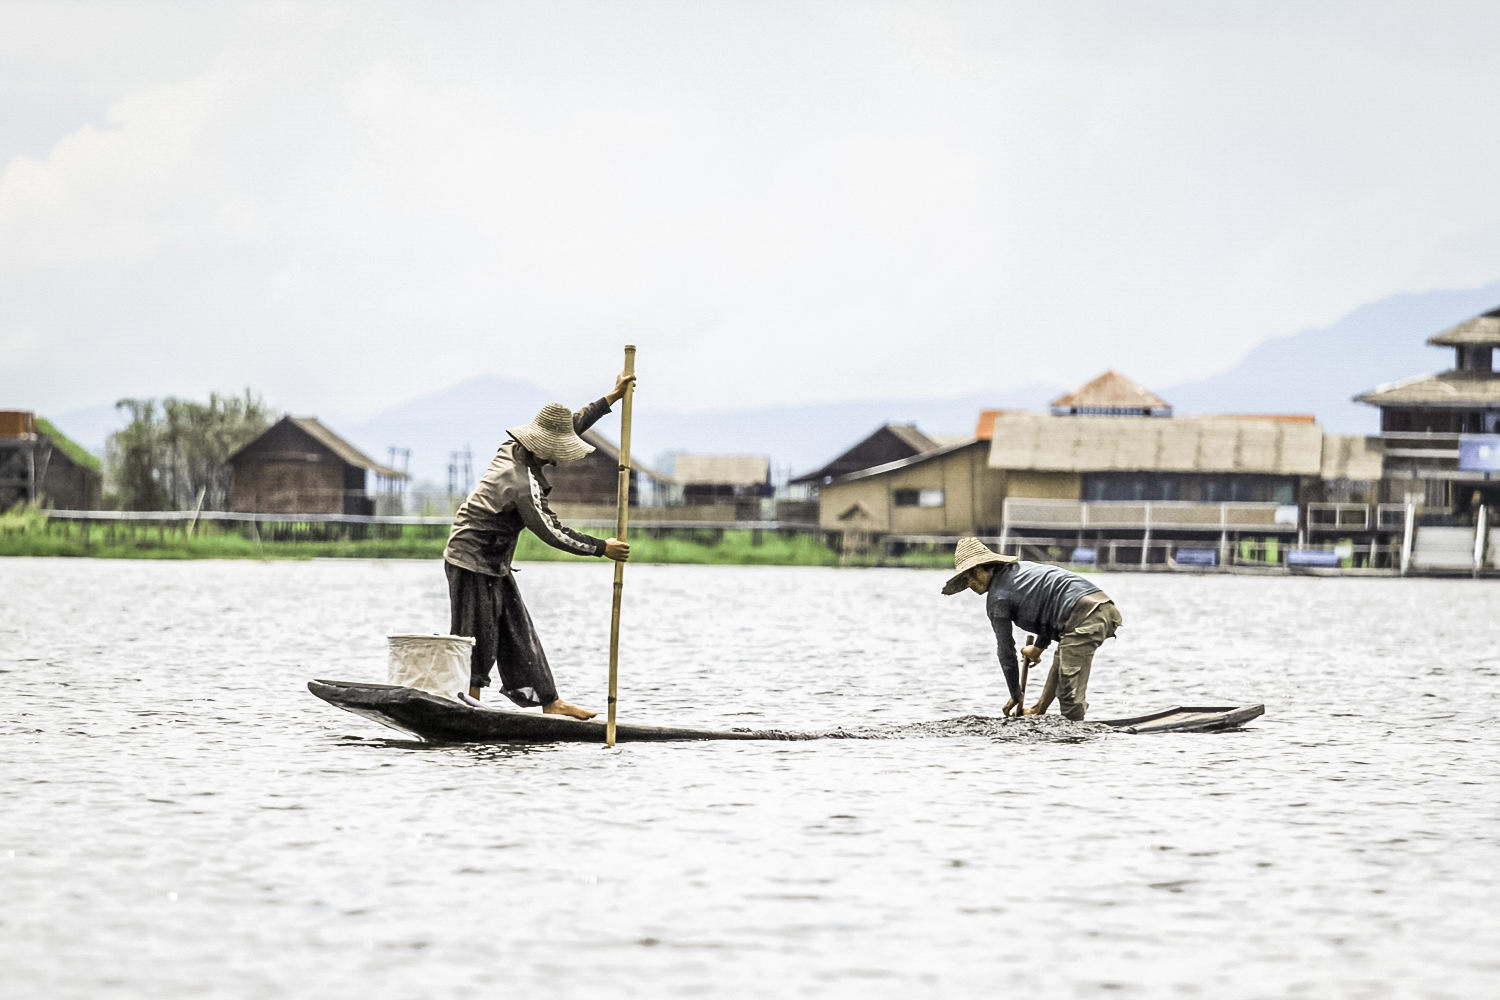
x=1036 y=710
x=560 y=707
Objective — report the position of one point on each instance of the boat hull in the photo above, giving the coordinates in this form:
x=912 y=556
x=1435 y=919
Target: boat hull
x=1192 y=719
x=443 y=721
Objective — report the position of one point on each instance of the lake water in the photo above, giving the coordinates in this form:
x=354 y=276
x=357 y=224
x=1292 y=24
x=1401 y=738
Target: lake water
x=180 y=818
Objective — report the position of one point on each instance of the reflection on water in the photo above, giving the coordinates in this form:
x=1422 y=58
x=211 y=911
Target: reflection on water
x=179 y=817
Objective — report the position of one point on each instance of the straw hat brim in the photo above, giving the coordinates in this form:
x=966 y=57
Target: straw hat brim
x=550 y=446
x=960 y=580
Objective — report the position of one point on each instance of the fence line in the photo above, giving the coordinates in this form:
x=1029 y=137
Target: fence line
x=236 y=515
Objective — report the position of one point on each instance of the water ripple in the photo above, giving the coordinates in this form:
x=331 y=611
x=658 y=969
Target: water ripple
x=178 y=817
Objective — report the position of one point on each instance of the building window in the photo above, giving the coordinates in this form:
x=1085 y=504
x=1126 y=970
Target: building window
x=1188 y=486
x=919 y=498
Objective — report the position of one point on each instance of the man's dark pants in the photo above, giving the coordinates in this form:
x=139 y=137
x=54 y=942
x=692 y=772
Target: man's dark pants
x=490 y=609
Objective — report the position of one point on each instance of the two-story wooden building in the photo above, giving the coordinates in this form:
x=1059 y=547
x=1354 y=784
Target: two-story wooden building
x=1429 y=422
x=1109 y=465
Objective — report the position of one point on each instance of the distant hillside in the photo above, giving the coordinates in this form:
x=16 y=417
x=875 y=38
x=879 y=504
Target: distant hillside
x=472 y=414
x=1317 y=371
x=803 y=438
x=478 y=411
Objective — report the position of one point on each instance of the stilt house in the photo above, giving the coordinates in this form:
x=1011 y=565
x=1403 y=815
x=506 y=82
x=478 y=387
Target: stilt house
x=38 y=464
x=298 y=466
x=889 y=443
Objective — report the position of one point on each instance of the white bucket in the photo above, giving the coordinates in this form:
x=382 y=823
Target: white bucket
x=436 y=664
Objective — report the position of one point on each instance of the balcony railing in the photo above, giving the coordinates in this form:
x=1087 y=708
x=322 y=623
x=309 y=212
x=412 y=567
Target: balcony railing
x=1152 y=515
x=1338 y=517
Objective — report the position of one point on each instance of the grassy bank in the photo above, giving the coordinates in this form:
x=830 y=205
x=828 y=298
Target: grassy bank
x=29 y=533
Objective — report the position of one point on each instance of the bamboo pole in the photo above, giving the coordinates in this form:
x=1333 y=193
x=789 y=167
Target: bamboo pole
x=622 y=525
x=192 y=528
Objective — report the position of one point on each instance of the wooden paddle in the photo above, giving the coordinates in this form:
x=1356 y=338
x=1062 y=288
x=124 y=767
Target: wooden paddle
x=622 y=519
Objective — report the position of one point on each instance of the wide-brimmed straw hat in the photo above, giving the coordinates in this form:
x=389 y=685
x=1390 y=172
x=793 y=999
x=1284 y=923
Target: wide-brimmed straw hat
x=971 y=552
x=550 y=435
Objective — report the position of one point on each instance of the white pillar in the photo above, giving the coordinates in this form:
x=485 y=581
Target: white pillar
x=1480 y=528
x=1408 y=536
x=1146 y=541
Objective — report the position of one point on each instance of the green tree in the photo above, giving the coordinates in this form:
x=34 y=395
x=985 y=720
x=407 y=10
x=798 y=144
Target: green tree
x=168 y=452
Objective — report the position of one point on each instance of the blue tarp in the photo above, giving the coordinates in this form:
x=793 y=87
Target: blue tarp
x=1197 y=557
x=1311 y=557
x=1479 y=452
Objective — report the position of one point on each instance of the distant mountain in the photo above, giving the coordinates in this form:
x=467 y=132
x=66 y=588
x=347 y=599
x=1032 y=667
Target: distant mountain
x=803 y=438
x=1317 y=371
x=798 y=438
x=472 y=414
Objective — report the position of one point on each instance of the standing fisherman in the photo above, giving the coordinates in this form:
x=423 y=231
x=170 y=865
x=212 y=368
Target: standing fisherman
x=481 y=590
x=1048 y=601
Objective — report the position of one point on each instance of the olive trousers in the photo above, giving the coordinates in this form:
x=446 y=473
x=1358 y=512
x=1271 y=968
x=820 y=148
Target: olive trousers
x=1073 y=658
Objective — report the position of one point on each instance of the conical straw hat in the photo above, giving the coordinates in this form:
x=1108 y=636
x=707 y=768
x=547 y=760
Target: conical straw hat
x=550 y=437
x=971 y=552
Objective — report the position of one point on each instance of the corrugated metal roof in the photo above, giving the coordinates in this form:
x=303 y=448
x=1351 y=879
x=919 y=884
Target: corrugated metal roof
x=1174 y=444
x=1451 y=388
x=1482 y=329
x=986 y=426
x=910 y=436
x=1111 y=391
x=722 y=470
x=905 y=463
x=873 y=448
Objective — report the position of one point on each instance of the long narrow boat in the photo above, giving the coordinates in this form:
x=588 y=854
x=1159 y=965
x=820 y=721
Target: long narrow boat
x=1193 y=719
x=444 y=721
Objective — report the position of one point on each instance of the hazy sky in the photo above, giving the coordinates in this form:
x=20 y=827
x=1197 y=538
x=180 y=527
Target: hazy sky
x=344 y=206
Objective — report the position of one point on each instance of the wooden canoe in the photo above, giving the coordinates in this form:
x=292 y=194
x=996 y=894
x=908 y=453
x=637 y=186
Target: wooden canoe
x=443 y=721
x=1191 y=719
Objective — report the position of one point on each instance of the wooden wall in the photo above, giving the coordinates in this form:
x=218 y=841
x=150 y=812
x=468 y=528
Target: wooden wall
x=972 y=497
x=592 y=480
x=287 y=471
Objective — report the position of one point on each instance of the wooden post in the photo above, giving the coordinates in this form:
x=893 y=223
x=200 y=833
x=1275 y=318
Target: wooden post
x=197 y=509
x=622 y=526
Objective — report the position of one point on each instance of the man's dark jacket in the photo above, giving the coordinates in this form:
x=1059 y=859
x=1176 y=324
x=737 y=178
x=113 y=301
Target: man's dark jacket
x=1039 y=599
x=512 y=495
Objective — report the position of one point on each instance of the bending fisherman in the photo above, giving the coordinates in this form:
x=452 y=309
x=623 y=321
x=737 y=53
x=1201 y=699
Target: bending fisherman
x=482 y=592
x=1048 y=601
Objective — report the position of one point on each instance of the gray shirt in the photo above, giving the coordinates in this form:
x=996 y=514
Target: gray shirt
x=512 y=495
x=1039 y=599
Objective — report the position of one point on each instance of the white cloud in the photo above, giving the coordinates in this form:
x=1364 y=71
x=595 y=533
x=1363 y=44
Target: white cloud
x=16 y=344
x=345 y=206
